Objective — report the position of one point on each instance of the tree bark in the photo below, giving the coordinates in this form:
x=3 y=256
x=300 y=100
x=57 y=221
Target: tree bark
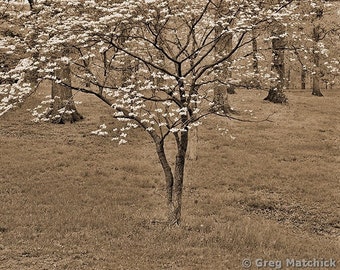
x=221 y=91
x=193 y=137
x=303 y=77
x=255 y=82
x=31 y=76
x=287 y=79
x=193 y=144
x=176 y=211
x=276 y=93
x=31 y=3
x=316 y=90
x=254 y=53
x=169 y=179
x=174 y=182
x=63 y=108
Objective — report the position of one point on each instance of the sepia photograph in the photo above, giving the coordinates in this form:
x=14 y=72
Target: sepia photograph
x=169 y=134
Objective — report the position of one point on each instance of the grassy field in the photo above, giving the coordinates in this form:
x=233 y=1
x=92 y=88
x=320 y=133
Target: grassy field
x=71 y=200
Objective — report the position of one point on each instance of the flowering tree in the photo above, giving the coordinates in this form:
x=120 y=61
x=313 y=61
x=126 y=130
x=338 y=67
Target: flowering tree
x=154 y=62
x=21 y=51
x=315 y=42
x=13 y=87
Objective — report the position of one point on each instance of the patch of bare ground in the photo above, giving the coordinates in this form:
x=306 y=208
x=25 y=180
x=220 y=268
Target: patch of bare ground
x=71 y=200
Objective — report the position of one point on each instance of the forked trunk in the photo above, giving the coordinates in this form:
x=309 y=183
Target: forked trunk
x=176 y=210
x=174 y=181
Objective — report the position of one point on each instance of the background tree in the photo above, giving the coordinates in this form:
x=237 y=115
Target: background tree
x=315 y=42
x=14 y=59
x=255 y=58
x=222 y=74
x=320 y=32
x=276 y=93
x=63 y=108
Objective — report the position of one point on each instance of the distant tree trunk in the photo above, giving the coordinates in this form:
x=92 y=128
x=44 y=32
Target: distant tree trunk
x=127 y=73
x=255 y=82
x=303 y=77
x=31 y=3
x=63 y=108
x=128 y=67
x=316 y=90
x=227 y=71
x=276 y=93
x=193 y=144
x=31 y=76
x=220 y=91
x=255 y=51
x=287 y=79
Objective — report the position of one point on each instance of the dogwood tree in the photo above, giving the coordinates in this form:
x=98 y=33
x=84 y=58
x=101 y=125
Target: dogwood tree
x=153 y=62
x=315 y=42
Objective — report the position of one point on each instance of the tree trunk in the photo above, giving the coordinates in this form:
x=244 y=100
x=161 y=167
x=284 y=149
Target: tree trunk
x=193 y=138
x=63 y=108
x=255 y=83
x=174 y=182
x=226 y=67
x=221 y=91
x=176 y=210
x=287 y=79
x=31 y=76
x=276 y=93
x=31 y=3
x=316 y=90
x=254 y=53
x=193 y=144
x=169 y=179
x=303 y=77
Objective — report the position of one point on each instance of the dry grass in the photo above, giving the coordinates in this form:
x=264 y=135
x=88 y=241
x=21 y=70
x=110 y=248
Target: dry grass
x=70 y=200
